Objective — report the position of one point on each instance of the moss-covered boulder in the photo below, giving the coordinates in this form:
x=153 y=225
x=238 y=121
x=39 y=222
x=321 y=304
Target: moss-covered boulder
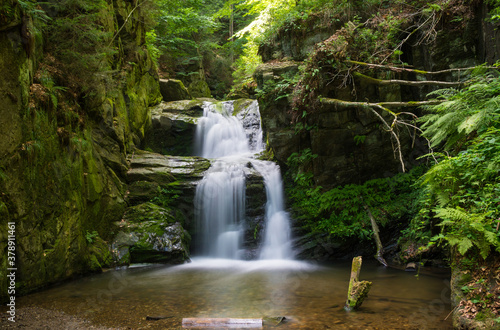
x=173 y=127
x=150 y=233
x=173 y=90
x=199 y=88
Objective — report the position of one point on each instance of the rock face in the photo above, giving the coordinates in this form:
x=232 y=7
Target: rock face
x=63 y=164
x=173 y=90
x=351 y=144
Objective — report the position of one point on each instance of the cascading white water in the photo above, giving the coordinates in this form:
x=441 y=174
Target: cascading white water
x=220 y=201
x=277 y=244
x=234 y=140
x=220 y=134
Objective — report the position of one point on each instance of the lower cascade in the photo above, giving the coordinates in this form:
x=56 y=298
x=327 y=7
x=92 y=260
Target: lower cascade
x=233 y=141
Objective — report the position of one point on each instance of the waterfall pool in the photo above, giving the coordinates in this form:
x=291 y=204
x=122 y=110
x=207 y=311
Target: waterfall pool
x=309 y=296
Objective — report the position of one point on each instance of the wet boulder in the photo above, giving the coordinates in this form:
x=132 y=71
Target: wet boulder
x=149 y=233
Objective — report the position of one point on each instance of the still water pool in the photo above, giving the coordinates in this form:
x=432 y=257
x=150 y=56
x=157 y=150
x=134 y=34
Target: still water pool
x=309 y=296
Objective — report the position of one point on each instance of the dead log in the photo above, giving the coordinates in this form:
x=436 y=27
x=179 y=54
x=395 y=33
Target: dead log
x=423 y=72
x=380 y=248
x=341 y=104
x=383 y=82
x=358 y=290
x=202 y=322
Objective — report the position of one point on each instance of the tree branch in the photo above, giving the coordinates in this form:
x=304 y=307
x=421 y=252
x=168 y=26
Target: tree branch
x=381 y=105
x=388 y=127
x=126 y=20
x=383 y=82
x=423 y=72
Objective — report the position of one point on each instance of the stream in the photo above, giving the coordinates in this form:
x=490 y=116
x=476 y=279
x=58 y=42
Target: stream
x=219 y=283
x=309 y=296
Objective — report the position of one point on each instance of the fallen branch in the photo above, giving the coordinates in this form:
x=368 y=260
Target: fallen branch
x=347 y=104
x=383 y=82
x=423 y=72
x=380 y=248
x=383 y=106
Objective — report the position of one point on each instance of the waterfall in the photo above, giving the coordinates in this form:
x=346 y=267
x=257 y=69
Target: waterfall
x=220 y=201
x=277 y=244
x=233 y=140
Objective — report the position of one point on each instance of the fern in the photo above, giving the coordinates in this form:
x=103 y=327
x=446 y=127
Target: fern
x=465 y=230
x=462 y=113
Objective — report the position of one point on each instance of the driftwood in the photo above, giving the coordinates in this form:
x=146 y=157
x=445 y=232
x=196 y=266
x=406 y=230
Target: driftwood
x=196 y=322
x=273 y=321
x=358 y=290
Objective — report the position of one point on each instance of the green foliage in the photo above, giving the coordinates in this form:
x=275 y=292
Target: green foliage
x=78 y=39
x=278 y=89
x=465 y=186
x=359 y=139
x=463 y=112
x=340 y=211
x=166 y=195
x=91 y=236
x=153 y=50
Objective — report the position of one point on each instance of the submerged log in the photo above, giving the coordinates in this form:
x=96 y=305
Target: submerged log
x=202 y=322
x=358 y=290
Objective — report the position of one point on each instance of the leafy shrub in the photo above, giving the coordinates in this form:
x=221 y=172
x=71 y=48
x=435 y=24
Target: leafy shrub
x=340 y=211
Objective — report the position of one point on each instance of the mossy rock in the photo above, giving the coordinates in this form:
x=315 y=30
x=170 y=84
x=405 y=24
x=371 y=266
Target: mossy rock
x=147 y=213
x=150 y=233
x=199 y=88
x=173 y=90
x=141 y=192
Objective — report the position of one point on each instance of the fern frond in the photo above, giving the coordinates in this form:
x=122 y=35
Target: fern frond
x=492 y=238
x=464 y=245
x=454 y=214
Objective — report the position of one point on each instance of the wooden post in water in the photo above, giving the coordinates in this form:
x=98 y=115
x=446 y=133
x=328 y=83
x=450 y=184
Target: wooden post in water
x=358 y=290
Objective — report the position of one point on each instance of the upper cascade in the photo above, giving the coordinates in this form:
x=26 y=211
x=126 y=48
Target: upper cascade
x=222 y=133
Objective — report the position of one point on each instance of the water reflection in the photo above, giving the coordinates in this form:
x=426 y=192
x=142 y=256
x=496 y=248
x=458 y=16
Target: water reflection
x=309 y=296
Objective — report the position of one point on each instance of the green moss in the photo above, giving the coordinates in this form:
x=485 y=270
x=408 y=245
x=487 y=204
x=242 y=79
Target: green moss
x=199 y=88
